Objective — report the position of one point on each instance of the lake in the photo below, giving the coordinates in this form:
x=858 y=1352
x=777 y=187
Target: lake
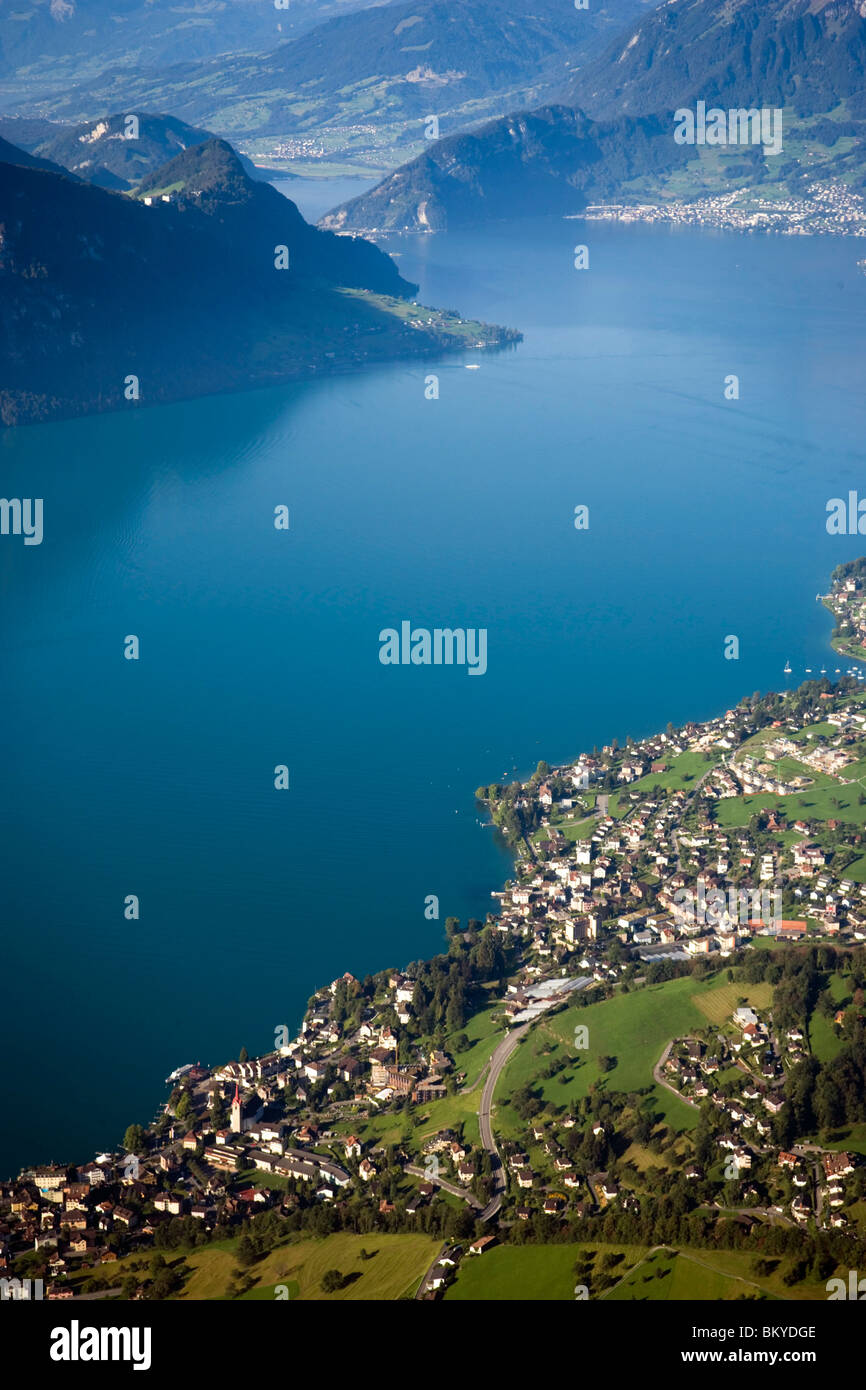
x=260 y=648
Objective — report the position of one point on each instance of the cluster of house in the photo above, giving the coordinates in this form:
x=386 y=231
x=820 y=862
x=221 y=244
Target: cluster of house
x=748 y=775
x=760 y=1057
x=628 y=871
x=646 y=872
x=366 y=1056
x=191 y=1166
x=847 y=602
x=76 y=1215
x=524 y=1179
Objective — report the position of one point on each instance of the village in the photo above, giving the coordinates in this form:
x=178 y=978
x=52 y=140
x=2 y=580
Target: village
x=700 y=855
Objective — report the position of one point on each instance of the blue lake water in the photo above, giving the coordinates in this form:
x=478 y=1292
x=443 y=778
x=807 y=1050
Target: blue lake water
x=259 y=647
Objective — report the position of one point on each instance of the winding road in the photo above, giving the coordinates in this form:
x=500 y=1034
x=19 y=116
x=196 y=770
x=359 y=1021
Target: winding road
x=497 y=1061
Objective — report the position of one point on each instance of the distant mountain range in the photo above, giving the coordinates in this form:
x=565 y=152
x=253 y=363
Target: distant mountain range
x=808 y=56
x=366 y=81
x=111 y=300
x=118 y=151
x=49 y=44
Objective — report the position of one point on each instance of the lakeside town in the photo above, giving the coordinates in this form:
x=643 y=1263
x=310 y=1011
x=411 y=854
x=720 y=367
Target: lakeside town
x=826 y=208
x=658 y=1039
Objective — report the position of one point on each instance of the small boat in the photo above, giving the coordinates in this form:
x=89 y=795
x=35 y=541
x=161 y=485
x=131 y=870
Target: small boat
x=787 y=670
x=823 y=670
x=808 y=670
x=472 y=366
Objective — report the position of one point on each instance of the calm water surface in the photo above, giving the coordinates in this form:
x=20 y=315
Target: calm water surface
x=260 y=647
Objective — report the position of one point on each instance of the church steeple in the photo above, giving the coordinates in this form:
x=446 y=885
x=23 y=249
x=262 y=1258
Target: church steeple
x=237 y=1112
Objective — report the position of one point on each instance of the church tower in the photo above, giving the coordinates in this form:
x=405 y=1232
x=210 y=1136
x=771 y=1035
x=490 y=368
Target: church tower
x=237 y=1112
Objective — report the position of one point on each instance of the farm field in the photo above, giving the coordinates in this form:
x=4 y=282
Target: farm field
x=395 y=1269
x=719 y=1003
x=525 y=1273
x=530 y=1273
x=397 y=1265
x=668 y=1276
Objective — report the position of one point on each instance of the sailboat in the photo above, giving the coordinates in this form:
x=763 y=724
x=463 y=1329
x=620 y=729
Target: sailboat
x=787 y=670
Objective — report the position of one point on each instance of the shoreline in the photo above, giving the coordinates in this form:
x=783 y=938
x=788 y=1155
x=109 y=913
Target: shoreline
x=19 y=407
x=519 y=859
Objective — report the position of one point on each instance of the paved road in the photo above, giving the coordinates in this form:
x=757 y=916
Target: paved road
x=448 y=1186
x=659 y=1079
x=422 y=1287
x=499 y=1059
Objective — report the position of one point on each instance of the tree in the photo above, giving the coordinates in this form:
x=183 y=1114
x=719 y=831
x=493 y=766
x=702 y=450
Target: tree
x=332 y=1280
x=247 y=1253
x=243 y=1055
x=134 y=1140
x=218 y=1114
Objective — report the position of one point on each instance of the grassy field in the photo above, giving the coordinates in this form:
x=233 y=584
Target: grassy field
x=395 y=1270
x=851 y=1138
x=525 y=1273
x=633 y=1028
x=453 y=1112
x=823 y=1038
x=644 y=1158
x=718 y=1004
x=684 y=772
x=827 y=802
x=483 y=1035
x=856 y=870
x=671 y=1276
x=531 y=1273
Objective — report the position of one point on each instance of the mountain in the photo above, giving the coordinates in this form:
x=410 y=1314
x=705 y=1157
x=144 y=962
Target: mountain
x=11 y=154
x=554 y=160
x=245 y=219
x=367 y=81
x=48 y=44
x=806 y=56
x=116 y=152
x=182 y=291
